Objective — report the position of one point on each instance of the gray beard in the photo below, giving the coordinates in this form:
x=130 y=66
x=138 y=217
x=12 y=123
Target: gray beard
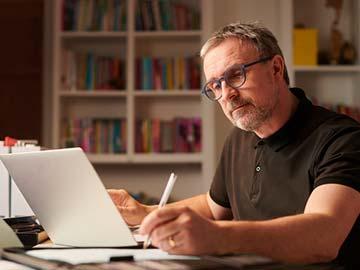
x=254 y=119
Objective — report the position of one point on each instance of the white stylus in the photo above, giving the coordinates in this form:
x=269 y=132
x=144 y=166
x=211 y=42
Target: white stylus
x=164 y=198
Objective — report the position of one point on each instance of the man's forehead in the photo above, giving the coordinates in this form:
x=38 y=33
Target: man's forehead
x=228 y=53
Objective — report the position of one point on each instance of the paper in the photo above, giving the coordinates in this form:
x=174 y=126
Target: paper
x=76 y=256
x=8 y=237
x=13 y=266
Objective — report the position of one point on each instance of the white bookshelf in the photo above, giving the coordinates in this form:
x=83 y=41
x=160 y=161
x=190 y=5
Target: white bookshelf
x=331 y=84
x=176 y=34
x=172 y=93
x=97 y=34
x=131 y=103
x=328 y=68
x=92 y=93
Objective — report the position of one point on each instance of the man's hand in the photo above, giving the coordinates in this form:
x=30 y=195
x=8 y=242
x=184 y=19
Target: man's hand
x=131 y=210
x=180 y=230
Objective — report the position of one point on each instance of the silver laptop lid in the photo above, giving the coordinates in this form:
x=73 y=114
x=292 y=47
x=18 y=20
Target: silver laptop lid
x=68 y=197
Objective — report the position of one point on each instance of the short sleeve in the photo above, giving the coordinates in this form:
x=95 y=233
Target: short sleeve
x=339 y=159
x=218 y=191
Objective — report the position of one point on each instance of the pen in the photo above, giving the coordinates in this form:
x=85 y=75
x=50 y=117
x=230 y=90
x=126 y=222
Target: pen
x=164 y=198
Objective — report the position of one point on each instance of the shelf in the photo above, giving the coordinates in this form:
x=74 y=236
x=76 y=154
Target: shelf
x=94 y=94
x=86 y=55
x=93 y=34
x=157 y=158
x=168 y=158
x=167 y=93
x=107 y=158
x=189 y=33
x=328 y=68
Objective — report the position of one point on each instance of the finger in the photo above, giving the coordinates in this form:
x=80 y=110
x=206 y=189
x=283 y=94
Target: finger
x=158 y=217
x=118 y=195
x=167 y=246
x=164 y=231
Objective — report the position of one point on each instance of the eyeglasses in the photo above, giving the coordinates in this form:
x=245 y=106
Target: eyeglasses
x=234 y=77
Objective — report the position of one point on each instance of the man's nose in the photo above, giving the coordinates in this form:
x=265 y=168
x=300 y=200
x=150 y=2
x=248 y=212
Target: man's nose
x=227 y=91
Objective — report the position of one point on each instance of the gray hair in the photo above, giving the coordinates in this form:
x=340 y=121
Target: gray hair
x=257 y=35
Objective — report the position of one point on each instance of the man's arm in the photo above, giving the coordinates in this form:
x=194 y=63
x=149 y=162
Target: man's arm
x=314 y=236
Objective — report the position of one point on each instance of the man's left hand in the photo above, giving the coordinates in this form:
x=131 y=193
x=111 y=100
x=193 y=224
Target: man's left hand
x=180 y=230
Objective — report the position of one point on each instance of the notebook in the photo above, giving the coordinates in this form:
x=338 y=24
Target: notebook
x=68 y=197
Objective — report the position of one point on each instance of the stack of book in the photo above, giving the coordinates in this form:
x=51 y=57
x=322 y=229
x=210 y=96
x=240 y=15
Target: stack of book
x=165 y=15
x=87 y=71
x=95 y=135
x=94 y=15
x=180 y=135
x=168 y=73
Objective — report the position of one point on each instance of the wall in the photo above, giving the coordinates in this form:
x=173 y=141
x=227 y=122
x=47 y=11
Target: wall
x=21 y=68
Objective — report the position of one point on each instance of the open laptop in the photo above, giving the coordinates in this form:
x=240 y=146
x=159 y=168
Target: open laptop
x=68 y=197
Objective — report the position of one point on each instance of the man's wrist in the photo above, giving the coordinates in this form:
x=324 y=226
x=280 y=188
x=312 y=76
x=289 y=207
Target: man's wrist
x=222 y=246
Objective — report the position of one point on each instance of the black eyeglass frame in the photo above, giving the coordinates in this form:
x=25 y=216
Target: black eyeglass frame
x=222 y=78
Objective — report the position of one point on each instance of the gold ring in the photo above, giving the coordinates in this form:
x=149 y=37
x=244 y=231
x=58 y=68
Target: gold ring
x=171 y=242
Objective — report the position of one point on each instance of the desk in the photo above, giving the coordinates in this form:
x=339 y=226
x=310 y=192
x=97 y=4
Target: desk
x=171 y=262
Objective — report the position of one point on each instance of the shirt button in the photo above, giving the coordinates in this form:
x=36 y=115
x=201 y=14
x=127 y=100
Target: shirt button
x=258 y=168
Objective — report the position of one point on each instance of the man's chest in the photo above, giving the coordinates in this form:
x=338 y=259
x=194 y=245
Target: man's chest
x=266 y=184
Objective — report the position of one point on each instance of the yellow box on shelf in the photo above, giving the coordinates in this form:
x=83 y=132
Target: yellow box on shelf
x=305 y=46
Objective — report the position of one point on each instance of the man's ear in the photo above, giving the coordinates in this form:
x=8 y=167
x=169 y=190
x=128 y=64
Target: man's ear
x=278 y=66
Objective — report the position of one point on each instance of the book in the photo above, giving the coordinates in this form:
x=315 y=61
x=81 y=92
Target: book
x=90 y=71
x=305 y=46
x=167 y=137
x=167 y=73
x=94 y=15
x=179 y=135
x=95 y=135
x=157 y=16
x=165 y=15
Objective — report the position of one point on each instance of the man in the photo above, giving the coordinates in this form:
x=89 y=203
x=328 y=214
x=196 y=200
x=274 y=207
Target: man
x=287 y=184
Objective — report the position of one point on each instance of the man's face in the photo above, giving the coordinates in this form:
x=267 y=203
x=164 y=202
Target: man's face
x=253 y=104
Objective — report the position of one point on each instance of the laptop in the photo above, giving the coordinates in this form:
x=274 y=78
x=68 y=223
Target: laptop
x=68 y=197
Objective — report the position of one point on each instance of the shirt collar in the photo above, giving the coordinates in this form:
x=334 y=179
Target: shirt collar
x=286 y=133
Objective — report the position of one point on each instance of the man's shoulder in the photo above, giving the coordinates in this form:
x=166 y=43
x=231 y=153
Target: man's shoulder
x=332 y=120
x=336 y=129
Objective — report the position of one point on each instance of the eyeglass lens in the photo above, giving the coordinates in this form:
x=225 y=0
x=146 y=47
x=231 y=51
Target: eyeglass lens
x=233 y=77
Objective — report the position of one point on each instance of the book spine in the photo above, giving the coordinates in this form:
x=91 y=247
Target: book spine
x=156 y=15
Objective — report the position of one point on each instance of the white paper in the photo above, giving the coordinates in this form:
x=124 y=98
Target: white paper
x=12 y=266
x=8 y=237
x=76 y=256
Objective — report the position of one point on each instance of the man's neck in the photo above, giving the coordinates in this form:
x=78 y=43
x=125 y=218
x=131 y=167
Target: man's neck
x=287 y=106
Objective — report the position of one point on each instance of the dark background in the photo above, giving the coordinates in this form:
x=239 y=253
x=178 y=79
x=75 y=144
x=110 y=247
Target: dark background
x=21 y=44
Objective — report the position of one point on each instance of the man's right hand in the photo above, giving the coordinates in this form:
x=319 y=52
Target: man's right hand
x=131 y=210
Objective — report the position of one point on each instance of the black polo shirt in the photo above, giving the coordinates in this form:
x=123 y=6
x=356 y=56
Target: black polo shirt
x=261 y=179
